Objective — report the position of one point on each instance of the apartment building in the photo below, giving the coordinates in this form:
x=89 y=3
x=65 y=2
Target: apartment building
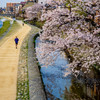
x=10 y=8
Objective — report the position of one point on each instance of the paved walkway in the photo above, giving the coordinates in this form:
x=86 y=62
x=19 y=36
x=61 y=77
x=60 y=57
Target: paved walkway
x=9 y=57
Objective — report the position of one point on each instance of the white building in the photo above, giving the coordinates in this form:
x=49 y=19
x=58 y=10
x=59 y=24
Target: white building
x=28 y=0
x=42 y=1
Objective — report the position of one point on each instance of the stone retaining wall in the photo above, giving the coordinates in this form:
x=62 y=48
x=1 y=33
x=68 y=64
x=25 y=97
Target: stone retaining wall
x=35 y=83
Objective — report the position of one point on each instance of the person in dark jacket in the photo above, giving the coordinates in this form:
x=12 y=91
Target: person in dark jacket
x=16 y=41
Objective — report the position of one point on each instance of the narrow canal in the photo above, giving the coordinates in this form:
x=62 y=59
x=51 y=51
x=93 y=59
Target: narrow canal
x=1 y=23
x=61 y=87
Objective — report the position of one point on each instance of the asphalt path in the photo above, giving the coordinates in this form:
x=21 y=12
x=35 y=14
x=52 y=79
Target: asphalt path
x=9 y=57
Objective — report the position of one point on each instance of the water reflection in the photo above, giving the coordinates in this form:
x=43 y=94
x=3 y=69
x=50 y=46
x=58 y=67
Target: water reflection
x=60 y=87
x=82 y=89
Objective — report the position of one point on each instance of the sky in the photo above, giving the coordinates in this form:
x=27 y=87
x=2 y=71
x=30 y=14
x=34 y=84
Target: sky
x=3 y=2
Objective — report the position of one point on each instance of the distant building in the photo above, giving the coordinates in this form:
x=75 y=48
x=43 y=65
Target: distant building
x=11 y=8
x=17 y=8
x=23 y=3
x=42 y=1
x=37 y=1
x=29 y=0
x=0 y=10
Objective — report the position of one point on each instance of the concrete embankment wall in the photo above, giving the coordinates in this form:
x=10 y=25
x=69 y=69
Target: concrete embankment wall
x=36 y=90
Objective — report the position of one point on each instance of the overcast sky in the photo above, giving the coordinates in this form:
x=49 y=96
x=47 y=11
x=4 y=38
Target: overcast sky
x=3 y=2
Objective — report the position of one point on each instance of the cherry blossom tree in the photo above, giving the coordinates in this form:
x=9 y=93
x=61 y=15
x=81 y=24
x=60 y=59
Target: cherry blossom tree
x=34 y=12
x=74 y=29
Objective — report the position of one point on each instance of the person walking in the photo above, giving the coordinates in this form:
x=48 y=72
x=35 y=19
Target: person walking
x=23 y=24
x=16 y=41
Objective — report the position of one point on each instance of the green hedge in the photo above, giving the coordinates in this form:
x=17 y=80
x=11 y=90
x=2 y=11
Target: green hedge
x=5 y=27
x=36 y=23
x=39 y=24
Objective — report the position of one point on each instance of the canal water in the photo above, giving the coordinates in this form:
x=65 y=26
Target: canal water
x=1 y=23
x=61 y=87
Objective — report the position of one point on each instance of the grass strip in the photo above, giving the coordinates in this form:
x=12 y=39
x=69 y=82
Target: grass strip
x=36 y=23
x=22 y=76
x=15 y=27
x=5 y=27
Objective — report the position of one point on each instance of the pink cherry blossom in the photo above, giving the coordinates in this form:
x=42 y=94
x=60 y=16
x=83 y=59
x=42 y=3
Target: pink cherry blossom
x=74 y=30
